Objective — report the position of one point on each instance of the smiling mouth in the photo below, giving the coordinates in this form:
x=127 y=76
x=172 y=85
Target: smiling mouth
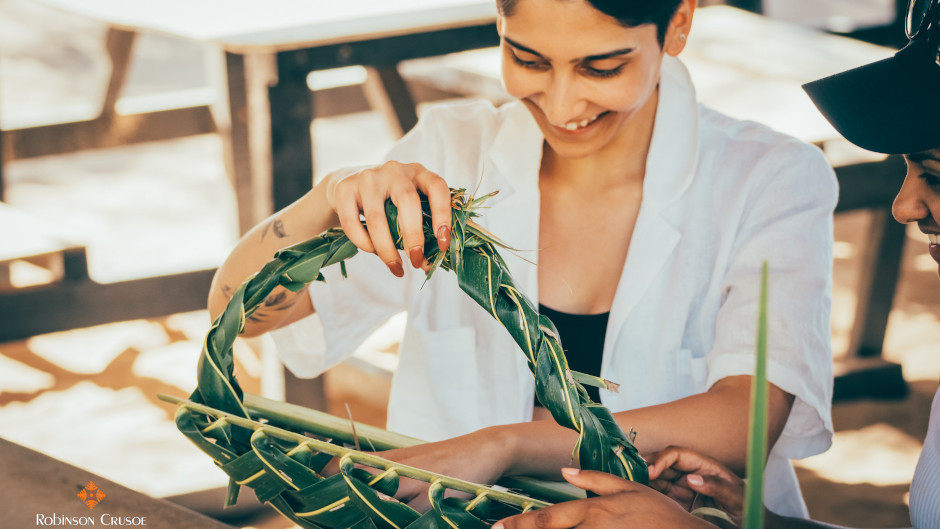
x=574 y=126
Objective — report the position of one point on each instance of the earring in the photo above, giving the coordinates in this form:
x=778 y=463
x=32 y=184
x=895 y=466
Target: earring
x=682 y=37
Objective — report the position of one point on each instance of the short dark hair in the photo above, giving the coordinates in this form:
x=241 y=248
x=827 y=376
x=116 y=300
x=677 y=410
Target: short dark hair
x=628 y=13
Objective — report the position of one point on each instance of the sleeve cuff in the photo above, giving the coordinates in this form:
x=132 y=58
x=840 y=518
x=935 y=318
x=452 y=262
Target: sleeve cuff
x=808 y=430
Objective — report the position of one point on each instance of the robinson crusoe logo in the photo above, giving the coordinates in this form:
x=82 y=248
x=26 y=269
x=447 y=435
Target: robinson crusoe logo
x=91 y=495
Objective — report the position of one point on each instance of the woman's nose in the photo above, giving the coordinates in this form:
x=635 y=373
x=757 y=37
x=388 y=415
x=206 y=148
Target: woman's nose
x=909 y=205
x=563 y=103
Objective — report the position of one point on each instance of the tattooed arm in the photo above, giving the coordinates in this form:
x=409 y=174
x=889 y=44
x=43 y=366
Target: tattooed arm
x=339 y=200
x=305 y=218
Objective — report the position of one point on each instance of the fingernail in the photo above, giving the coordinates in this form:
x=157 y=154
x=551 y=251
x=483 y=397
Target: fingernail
x=695 y=479
x=498 y=525
x=443 y=235
x=416 y=254
x=396 y=268
x=568 y=471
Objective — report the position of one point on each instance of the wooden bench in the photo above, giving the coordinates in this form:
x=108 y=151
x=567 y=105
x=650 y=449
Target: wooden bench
x=66 y=297
x=27 y=239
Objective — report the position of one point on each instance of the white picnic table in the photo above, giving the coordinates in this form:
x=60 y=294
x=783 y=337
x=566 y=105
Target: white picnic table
x=745 y=65
x=262 y=112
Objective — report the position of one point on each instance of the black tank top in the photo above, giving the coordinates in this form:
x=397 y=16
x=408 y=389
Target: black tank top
x=582 y=336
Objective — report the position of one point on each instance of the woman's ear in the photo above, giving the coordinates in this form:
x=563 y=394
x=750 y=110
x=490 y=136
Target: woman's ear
x=679 y=27
x=499 y=26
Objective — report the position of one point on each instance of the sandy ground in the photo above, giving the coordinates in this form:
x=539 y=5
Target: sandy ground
x=166 y=206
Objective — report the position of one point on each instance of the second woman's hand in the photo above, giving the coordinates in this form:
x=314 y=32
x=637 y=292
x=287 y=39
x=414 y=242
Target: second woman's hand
x=365 y=191
x=683 y=474
x=619 y=503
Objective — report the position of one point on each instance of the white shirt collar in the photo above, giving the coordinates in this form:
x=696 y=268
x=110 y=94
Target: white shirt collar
x=670 y=164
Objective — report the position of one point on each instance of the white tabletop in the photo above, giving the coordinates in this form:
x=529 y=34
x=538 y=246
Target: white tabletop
x=274 y=25
x=753 y=67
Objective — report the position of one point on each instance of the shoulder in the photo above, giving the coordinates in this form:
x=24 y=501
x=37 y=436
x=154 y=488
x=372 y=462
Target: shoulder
x=752 y=139
x=759 y=155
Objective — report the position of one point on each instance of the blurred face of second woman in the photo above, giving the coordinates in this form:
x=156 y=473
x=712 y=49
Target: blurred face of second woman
x=919 y=198
x=588 y=80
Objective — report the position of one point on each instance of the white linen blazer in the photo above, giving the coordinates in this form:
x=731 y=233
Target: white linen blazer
x=720 y=197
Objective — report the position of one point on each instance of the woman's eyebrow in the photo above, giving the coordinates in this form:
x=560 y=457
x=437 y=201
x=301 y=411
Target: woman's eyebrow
x=515 y=44
x=589 y=58
x=608 y=55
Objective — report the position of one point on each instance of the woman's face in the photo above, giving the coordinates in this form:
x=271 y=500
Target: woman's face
x=919 y=198
x=587 y=80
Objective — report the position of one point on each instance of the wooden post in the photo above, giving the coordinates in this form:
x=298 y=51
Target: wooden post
x=756 y=6
x=291 y=103
x=387 y=93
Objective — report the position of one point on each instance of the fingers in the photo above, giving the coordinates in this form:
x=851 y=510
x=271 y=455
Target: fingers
x=558 y=516
x=366 y=191
x=347 y=205
x=600 y=483
x=678 y=491
x=406 y=199
x=728 y=494
x=438 y=193
x=675 y=460
x=374 y=192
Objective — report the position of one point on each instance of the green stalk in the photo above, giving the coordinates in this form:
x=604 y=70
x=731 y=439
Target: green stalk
x=321 y=423
x=757 y=438
x=330 y=426
x=365 y=458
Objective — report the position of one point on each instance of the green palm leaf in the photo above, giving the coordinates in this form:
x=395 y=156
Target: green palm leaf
x=264 y=450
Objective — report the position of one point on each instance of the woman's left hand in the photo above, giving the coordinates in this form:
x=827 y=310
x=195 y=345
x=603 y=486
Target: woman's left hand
x=474 y=457
x=621 y=503
x=477 y=457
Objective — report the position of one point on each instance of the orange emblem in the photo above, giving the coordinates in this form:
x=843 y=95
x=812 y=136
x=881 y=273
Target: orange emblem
x=91 y=495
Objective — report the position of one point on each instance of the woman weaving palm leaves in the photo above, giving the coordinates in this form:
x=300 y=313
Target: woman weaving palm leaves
x=647 y=218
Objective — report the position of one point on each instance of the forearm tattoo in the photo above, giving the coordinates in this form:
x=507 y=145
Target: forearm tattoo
x=276 y=227
x=274 y=303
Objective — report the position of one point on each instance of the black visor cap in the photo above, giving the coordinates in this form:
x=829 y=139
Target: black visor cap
x=890 y=106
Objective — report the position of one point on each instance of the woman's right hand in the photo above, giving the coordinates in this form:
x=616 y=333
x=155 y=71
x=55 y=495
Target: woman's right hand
x=366 y=191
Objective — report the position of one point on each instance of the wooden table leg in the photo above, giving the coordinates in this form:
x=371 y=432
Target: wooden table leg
x=881 y=267
x=232 y=122
x=291 y=104
x=120 y=44
x=755 y=6
x=864 y=373
x=388 y=93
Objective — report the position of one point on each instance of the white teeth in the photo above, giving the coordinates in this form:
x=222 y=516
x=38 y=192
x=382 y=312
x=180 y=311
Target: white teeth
x=933 y=238
x=571 y=125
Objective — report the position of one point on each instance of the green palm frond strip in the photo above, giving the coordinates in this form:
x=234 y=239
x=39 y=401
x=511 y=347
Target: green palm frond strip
x=263 y=445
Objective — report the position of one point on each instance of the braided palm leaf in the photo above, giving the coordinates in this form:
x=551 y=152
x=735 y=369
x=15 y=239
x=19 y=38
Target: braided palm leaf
x=283 y=466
